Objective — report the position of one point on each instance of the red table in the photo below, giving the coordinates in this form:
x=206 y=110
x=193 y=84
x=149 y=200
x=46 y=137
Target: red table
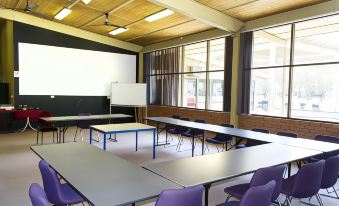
x=28 y=115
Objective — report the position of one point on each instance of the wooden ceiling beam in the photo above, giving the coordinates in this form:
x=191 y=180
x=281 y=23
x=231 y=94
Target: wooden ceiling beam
x=120 y=6
x=18 y=3
x=202 y=13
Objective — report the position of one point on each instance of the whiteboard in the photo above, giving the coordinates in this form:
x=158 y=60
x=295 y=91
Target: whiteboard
x=128 y=94
x=51 y=70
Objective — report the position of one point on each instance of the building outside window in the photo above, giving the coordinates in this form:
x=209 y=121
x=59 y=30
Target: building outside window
x=297 y=77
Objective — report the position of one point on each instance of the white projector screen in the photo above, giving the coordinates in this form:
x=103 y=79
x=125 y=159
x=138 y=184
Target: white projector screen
x=128 y=94
x=50 y=70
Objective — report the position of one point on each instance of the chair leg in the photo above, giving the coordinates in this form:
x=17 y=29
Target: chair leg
x=228 y=198
x=53 y=135
x=75 y=136
x=216 y=146
x=37 y=137
x=319 y=199
x=82 y=137
x=335 y=191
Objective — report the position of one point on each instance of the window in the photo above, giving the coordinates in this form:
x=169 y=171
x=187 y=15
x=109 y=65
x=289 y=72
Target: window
x=304 y=87
x=198 y=81
x=269 y=91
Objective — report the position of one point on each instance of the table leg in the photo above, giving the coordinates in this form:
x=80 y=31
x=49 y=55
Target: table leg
x=166 y=135
x=29 y=124
x=207 y=189
x=63 y=134
x=154 y=131
x=26 y=125
x=289 y=169
x=136 y=140
x=104 y=140
x=90 y=135
x=203 y=144
x=158 y=126
x=193 y=144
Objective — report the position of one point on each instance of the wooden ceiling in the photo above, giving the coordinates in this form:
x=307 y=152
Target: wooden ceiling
x=131 y=14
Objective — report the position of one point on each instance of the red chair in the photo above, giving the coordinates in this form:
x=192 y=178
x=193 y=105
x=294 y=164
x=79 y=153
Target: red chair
x=44 y=126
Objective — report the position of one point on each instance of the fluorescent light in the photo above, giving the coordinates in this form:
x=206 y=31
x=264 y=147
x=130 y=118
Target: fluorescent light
x=63 y=13
x=159 y=15
x=118 y=31
x=86 y=1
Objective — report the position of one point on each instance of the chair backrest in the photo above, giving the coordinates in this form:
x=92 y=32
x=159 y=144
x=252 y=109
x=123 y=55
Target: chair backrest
x=330 y=139
x=259 y=195
x=190 y=196
x=38 y=196
x=52 y=185
x=308 y=180
x=175 y=116
x=224 y=136
x=84 y=123
x=199 y=131
x=185 y=119
x=327 y=138
x=288 y=134
x=330 y=172
x=267 y=174
x=44 y=123
x=260 y=130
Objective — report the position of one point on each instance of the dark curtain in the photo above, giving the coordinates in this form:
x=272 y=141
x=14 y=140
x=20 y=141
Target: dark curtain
x=244 y=75
x=228 y=73
x=163 y=68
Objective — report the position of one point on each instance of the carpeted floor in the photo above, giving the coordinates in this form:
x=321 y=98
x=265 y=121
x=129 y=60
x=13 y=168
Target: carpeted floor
x=18 y=164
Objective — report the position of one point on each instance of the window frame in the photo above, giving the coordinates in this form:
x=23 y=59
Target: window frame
x=291 y=67
x=183 y=73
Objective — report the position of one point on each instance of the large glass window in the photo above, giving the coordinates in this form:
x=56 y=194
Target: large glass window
x=201 y=75
x=269 y=91
x=304 y=87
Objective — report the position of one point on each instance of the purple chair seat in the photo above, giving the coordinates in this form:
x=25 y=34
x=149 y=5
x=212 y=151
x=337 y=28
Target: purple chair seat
x=305 y=184
x=260 y=177
x=237 y=191
x=231 y=203
x=287 y=186
x=57 y=193
x=69 y=195
x=255 y=196
x=215 y=140
x=38 y=195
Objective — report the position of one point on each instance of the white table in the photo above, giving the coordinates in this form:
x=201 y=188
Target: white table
x=123 y=128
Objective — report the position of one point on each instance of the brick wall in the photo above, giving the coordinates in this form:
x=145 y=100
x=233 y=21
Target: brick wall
x=304 y=129
x=210 y=116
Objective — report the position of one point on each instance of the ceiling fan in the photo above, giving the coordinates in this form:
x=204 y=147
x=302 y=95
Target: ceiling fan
x=108 y=23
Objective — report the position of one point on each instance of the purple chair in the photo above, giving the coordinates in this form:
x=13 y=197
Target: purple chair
x=260 y=177
x=82 y=124
x=190 y=196
x=57 y=193
x=252 y=142
x=330 y=175
x=255 y=196
x=305 y=184
x=44 y=127
x=221 y=139
x=325 y=138
x=288 y=134
x=192 y=133
x=38 y=196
